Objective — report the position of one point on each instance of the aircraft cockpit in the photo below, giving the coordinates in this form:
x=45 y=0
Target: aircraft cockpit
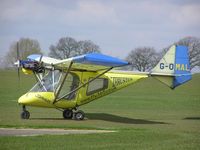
x=52 y=81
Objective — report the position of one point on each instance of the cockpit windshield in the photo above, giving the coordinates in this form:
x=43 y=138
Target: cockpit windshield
x=49 y=83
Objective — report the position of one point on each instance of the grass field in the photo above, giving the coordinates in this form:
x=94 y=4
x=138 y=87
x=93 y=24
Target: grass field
x=147 y=115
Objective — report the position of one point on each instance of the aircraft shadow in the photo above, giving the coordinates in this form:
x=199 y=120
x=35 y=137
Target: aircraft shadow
x=47 y=119
x=119 y=119
x=191 y=118
x=110 y=118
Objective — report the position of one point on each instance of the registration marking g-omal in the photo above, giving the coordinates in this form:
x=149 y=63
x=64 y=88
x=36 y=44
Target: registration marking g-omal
x=181 y=67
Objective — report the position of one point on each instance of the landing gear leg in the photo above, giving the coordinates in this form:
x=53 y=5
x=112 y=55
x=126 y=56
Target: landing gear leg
x=25 y=114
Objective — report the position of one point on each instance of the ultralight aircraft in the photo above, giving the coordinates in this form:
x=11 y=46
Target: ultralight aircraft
x=67 y=84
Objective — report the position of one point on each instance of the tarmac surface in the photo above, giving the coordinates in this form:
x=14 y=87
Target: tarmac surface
x=36 y=132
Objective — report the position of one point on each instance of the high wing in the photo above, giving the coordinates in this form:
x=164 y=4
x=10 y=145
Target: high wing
x=46 y=60
x=87 y=62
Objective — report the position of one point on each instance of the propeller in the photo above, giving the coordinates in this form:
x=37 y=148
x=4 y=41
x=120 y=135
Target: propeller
x=29 y=64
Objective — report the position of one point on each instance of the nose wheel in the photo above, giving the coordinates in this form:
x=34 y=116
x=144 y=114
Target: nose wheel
x=25 y=114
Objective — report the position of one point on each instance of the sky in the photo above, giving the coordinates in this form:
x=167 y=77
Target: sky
x=117 y=26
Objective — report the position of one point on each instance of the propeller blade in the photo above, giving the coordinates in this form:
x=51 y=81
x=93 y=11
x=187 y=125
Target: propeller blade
x=18 y=73
x=18 y=62
x=18 y=51
x=40 y=61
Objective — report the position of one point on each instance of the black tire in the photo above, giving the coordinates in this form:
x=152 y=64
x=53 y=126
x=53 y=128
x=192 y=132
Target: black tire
x=79 y=115
x=67 y=114
x=25 y=115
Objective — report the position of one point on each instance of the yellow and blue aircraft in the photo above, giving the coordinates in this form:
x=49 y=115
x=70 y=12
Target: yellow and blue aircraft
x=67 y=84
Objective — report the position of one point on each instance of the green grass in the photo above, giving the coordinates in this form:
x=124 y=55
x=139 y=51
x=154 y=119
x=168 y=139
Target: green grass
x=147 y=115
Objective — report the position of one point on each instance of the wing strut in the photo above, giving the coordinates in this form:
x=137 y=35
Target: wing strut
x=63 y=81
x=82 y=85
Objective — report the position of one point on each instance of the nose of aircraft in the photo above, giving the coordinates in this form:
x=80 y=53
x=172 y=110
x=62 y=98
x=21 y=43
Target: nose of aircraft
x=37 y=99
x=25 y=99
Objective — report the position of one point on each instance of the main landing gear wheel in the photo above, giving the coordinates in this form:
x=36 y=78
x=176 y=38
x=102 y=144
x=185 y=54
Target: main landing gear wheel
x=67 y=114
x=79 y=115
x=25 y=115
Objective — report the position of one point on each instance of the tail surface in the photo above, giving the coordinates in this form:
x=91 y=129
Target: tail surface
x=174 y=68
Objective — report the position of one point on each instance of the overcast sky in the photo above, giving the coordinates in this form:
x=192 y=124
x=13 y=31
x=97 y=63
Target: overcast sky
x=117 y=26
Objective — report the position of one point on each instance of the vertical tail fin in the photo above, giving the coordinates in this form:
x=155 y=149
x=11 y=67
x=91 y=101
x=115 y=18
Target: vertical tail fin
x=174 y=68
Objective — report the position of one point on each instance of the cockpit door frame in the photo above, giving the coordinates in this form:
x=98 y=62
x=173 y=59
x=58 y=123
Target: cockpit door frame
x=57 y=91
x=79 y=87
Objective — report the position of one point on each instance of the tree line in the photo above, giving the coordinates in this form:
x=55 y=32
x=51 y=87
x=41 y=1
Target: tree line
x=145 y=58
x=141 y=58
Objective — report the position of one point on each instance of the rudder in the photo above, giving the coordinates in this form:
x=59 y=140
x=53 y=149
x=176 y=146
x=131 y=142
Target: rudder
x=174 y=68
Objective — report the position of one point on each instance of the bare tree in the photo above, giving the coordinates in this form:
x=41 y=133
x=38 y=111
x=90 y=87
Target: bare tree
x=2 y=62
x=143 y=58
x=26 y=47
x=193 y=44
x=69 y=47
x=65 y=48
x=87 y=46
